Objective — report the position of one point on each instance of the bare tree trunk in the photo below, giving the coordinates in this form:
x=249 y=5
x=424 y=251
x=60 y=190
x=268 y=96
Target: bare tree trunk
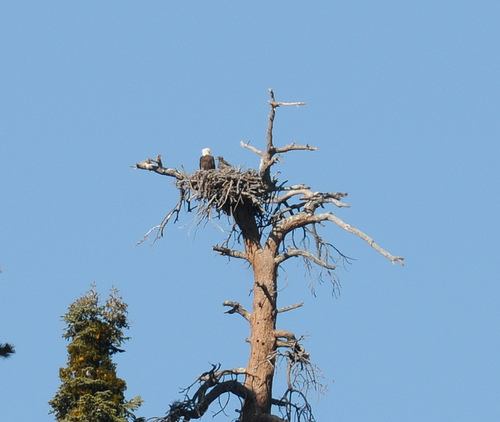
x=260 y=369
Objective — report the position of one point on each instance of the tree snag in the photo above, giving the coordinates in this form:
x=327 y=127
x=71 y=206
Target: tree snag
x=273 y=222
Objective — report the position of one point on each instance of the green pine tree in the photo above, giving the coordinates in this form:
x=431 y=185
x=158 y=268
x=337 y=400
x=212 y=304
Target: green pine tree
x=6 y=349
x=90 y=389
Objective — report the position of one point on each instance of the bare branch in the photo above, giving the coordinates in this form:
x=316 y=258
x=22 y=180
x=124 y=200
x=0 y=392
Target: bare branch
x=290 y=307
x=284 y=334
x=195 y=409
x=291 y=342
x=290 y=194
x=230 y=252
x=275 y=103
x=206 y=376
x=293 y=147
x=312 y=200
x=279 y=104
x=157 y=166
x=251 y=148
x=293 y=252
x=318 y=199
x=302 y=376
x=237 y=308
x=303 y=219
x=151 y=230
x=366 y=238
x=175 y=211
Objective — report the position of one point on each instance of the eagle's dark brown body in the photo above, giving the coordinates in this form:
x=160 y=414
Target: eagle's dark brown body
x=207 y=162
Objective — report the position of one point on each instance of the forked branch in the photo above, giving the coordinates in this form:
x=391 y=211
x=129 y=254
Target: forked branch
x=303 y=219
x=269 y=156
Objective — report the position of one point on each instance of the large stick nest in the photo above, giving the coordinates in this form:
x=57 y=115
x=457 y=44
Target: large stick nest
x=225 y=191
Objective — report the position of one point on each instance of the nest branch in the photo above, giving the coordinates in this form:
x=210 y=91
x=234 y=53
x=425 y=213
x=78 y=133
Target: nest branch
x=156 y=165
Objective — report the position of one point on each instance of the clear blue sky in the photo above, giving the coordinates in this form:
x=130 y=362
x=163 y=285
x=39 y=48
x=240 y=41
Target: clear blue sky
x=403 y=106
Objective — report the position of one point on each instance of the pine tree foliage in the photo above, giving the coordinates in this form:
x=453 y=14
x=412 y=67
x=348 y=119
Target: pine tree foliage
x=90 y=389
x=6 y=349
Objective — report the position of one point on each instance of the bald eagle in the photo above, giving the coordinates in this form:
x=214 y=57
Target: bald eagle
x=207 y=162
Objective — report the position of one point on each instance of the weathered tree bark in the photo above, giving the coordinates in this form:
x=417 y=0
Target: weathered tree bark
x=260 y=368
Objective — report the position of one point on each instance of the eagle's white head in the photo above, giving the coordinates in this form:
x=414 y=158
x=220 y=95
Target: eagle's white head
x=206 y=151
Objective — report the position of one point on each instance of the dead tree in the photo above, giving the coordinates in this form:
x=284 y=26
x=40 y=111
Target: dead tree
x=273 y=222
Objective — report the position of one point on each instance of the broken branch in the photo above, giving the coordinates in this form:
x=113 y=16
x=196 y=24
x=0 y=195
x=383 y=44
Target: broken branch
x=156 y=166
x=237 y=308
